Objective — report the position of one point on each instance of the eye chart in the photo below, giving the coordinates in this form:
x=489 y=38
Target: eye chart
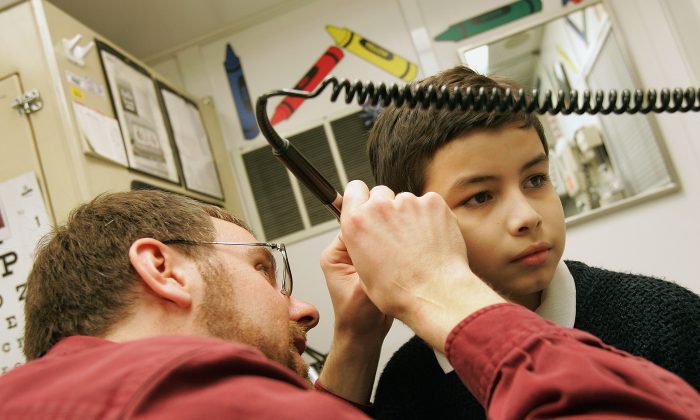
x=23 y=221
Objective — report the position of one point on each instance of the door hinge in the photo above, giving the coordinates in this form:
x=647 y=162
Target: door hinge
x=28 y=103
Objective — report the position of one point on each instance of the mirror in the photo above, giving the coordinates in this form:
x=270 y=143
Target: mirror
x=598 y=162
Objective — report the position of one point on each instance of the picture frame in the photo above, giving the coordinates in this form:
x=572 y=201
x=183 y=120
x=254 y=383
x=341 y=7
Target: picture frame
x=137 y=185
x=191 y=141
x=138 y=109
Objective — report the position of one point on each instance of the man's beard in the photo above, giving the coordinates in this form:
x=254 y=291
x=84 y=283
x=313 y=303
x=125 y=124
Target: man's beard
x=221 y=319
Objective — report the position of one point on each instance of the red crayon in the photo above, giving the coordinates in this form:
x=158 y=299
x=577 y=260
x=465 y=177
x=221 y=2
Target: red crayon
x=311 y=79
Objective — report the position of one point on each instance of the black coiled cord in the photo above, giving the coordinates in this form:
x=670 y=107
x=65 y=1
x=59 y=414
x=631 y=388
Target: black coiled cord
x=495 y=99
x=481 y=99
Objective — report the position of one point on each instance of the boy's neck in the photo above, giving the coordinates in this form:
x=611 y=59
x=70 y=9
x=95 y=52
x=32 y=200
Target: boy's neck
x=531 y=301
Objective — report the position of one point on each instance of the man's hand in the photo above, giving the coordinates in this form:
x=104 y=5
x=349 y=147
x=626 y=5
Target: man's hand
x=359 y=331
x=412 y=259
x=355 y=314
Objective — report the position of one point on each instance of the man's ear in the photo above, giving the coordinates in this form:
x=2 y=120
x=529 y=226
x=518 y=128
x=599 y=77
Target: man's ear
x=157 y=265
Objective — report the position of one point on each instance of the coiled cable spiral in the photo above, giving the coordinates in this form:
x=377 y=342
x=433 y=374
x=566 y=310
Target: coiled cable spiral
x=490 y=100
x=503 y=100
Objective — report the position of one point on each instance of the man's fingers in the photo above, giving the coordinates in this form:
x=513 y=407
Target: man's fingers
x=356 y=194
x=381 y=192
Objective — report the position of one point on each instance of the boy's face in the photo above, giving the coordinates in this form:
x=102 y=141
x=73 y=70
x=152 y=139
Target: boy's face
x=497 y=184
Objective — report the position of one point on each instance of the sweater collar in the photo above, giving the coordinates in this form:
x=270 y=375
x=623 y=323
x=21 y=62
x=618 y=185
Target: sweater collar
x=558 y=306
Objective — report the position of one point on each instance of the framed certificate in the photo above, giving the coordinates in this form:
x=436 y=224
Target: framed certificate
x=190 y=137
x=140 y=117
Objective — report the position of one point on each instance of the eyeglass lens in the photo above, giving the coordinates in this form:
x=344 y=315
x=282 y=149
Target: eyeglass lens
x=282 y=275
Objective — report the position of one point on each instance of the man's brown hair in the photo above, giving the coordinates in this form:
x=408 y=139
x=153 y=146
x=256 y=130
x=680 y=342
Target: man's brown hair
x=403 y=140
x=82 y=281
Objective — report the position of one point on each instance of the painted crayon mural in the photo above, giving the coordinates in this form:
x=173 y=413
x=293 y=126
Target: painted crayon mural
x=311 y=79
x=345 y=39
x=373 y=53
x=489 y=20
x=241 y=97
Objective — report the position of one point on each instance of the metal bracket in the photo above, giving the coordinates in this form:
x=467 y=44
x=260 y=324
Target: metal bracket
x=28 y=103
x=74 y=52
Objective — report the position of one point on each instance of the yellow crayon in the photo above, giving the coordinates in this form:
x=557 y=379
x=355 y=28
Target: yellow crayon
x=364 y=48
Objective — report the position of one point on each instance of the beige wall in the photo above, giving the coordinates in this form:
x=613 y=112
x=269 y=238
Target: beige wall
x=70 y=173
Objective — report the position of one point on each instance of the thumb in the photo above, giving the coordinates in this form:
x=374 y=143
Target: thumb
x=356 y=194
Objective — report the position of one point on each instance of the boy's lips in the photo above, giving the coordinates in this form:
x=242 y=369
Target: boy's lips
x=535 y=254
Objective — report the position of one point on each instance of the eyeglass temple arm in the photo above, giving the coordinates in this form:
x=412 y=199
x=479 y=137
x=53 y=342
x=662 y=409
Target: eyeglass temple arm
x=291 y=158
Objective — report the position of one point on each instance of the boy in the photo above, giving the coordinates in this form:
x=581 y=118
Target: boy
x=492 y=169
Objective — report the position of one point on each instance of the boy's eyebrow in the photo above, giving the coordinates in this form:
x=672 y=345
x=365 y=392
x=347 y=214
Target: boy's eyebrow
x=534 y=162
x=466 y=181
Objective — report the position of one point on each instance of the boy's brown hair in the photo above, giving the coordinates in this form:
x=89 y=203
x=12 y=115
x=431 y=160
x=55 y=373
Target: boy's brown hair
x=82 y=281
x=403 y=140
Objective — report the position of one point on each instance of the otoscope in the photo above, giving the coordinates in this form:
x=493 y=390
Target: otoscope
x=292 y=158
x=491 y=100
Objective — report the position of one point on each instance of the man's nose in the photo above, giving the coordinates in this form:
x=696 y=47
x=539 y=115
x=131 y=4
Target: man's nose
x=303 y=313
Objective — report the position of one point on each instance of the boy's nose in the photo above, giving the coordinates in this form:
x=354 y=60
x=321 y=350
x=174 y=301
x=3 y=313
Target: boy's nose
x=523 y=217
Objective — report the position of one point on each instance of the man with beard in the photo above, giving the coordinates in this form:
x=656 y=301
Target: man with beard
x=150 y=305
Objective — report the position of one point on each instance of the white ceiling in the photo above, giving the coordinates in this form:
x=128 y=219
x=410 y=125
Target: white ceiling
x=150 y=29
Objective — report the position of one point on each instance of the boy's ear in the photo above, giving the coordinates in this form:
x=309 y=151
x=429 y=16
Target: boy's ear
x=157 y=266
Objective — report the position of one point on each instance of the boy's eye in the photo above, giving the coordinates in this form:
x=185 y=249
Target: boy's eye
x=536 y=181
x=478 y=199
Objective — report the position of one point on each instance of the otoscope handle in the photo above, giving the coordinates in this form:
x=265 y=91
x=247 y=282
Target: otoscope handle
x=305 y=172
x=293 y=160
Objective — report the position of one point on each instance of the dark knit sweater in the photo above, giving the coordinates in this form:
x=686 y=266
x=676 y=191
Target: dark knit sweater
x=645 y=316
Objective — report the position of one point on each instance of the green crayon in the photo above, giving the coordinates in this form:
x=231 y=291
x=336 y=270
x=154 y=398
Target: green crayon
x=489 y=20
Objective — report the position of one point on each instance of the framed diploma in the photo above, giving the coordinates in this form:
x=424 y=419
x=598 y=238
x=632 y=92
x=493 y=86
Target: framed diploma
x=192 y=143
x=139 y=113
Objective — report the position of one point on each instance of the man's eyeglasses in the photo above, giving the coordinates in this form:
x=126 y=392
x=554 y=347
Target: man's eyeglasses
x=275 y=264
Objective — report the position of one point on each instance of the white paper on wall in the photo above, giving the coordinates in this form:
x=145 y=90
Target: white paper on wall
x=101 y=133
